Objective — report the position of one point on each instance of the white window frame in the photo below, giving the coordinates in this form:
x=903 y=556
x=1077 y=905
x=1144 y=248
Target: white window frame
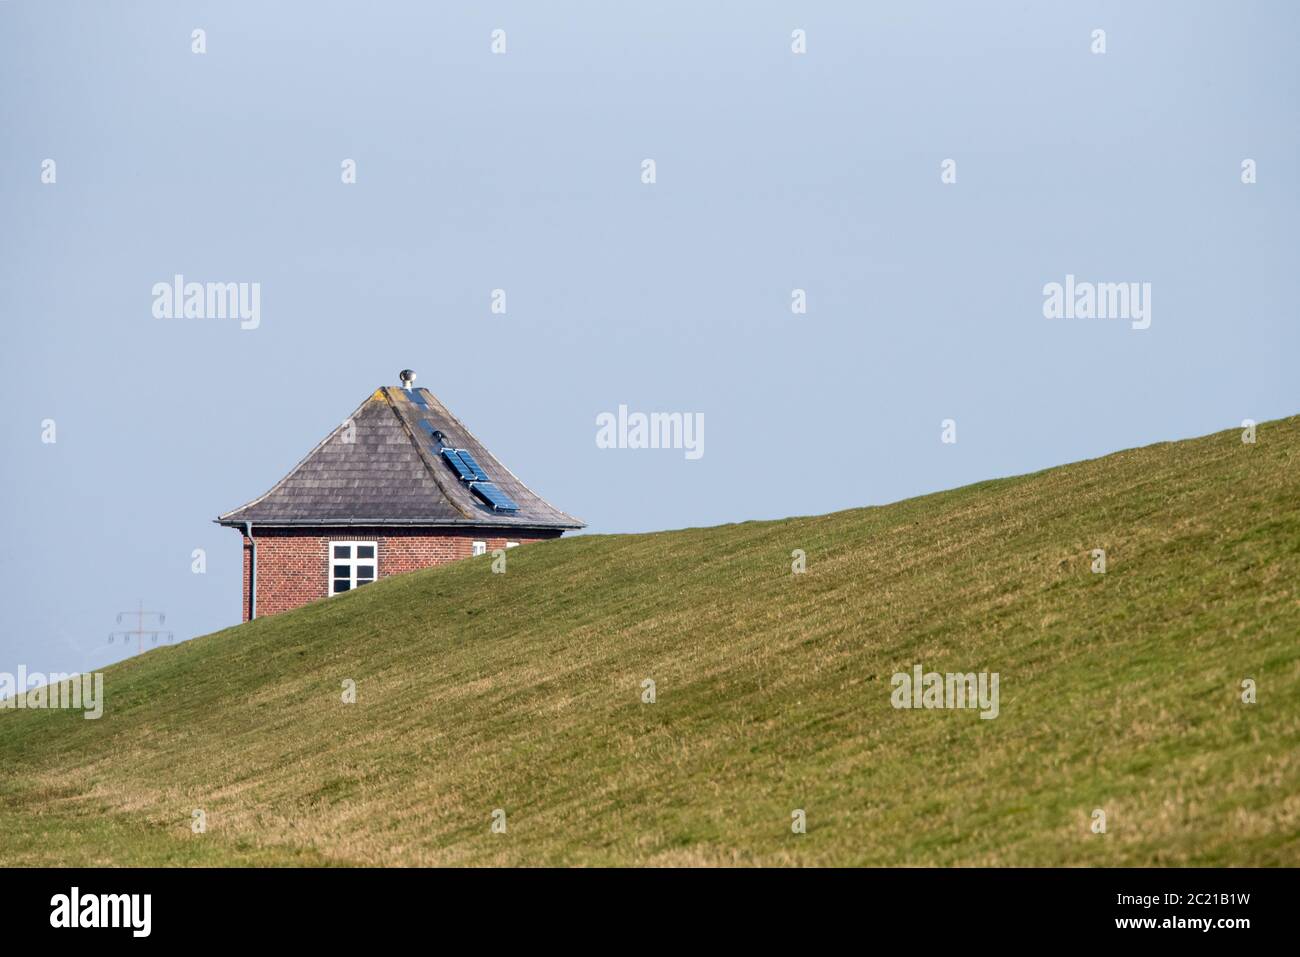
x=479 y=548
x=352 y=561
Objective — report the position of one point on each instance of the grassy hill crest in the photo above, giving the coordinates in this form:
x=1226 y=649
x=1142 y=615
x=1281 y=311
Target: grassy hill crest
x=523 y=692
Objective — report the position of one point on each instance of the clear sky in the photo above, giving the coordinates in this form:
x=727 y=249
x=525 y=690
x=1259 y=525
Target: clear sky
x=522 y=171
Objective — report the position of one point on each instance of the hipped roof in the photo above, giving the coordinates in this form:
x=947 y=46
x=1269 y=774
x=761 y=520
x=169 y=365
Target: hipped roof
x=393 y=474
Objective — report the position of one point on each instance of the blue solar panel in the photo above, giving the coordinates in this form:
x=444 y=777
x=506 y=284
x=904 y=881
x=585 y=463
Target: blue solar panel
x=498 y=499
x=417 y=397
x=453 y=458
x=472 y=465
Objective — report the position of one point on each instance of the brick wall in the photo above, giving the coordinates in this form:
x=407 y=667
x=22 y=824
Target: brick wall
x=293 y=564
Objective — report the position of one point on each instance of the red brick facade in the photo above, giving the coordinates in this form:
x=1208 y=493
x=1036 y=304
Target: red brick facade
x=293 y=564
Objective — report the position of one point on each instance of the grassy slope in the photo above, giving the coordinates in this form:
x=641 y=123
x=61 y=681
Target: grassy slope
x=522 y=691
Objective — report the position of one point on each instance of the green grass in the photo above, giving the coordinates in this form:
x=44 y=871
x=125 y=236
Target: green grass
x=521 y=691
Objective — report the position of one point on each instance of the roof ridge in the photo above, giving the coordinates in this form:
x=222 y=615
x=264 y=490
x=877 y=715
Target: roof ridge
x=427 y=461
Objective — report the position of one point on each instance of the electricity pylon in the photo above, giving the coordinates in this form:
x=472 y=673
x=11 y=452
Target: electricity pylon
x=139 y=631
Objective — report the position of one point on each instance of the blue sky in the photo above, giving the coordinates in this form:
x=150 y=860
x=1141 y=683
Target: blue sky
x=478 y=171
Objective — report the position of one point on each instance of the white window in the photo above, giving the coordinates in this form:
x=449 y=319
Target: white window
x=352 y=564
x=480 y=548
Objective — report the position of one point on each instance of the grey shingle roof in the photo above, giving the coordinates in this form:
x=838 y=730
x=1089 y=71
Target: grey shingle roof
x=392 y=474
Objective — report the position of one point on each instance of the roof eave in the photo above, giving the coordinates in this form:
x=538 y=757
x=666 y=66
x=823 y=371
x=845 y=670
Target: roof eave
x=396 y=522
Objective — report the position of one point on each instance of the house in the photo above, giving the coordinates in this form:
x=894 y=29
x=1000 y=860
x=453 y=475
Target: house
x=400 y=485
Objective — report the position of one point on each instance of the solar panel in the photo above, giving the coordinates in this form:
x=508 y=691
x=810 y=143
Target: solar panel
x=498 y=499
x=453 y=458
x=472 y=465
x=417 y=397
